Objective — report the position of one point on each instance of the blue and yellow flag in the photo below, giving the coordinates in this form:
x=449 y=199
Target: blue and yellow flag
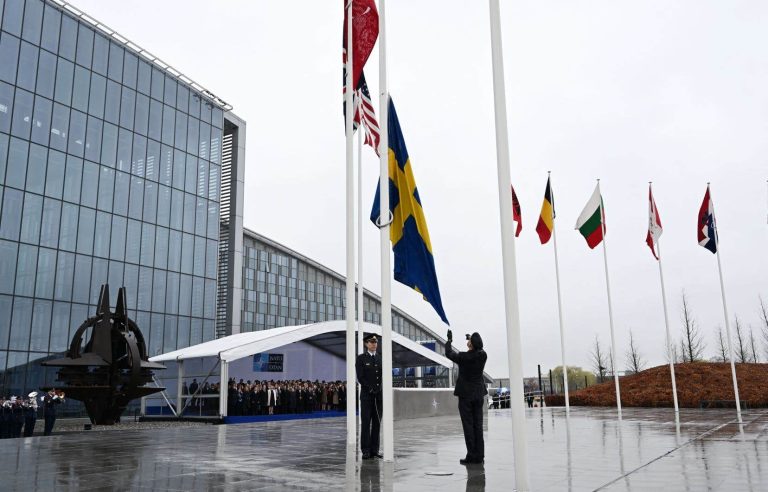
x=414 y=264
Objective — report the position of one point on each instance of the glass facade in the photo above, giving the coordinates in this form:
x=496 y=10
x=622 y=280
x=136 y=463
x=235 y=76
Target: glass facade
x=283 y=288
x=110 y=172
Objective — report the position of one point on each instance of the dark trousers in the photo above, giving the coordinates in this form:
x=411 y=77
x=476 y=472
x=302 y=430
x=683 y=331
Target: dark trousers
x=49 y=421
x=471 y=413
x=29 y=426
x=370 y=422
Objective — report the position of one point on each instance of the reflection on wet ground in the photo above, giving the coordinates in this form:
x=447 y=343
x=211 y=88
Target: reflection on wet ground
x=590 y=450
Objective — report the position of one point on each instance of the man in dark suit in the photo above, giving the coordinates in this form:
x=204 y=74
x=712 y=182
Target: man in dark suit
x=471 y=391
x=368 y=367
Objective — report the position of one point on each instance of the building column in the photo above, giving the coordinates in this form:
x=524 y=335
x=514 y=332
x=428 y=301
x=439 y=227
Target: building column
x=223 y=388
x=180 y=387
x=419 y=376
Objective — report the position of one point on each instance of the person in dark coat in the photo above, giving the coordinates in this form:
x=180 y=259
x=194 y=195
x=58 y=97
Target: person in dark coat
x=471 y=391
x=50 y=401
x=368 y=368
x=30 y=414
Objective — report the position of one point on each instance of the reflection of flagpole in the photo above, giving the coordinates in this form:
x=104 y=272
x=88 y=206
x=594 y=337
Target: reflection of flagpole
x=514 y=352
x=670 y=356
x=559 y=299
x=388 y=436
x=350 y=243
x=614 y=360
x=725 y=309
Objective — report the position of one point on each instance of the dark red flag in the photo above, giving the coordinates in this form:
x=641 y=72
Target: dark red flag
x=365 y=30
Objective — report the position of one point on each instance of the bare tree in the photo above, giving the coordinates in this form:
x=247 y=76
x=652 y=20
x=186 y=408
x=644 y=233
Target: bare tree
x=742 y=351
x=635 y=362
x=691 y=345
x=722 y=346
x=764 y=325
x=752 y=345
x=599 y=359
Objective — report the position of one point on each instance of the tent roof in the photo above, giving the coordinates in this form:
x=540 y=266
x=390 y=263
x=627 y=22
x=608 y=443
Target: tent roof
x=329 y=336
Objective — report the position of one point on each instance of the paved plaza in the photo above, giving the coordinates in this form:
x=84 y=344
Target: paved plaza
x=588 y=451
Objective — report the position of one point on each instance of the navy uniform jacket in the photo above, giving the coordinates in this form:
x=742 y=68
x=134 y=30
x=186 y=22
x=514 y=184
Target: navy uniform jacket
x=470 y=382
x=368 y=370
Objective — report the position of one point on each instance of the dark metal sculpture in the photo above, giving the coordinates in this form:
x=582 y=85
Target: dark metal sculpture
x=112 y=368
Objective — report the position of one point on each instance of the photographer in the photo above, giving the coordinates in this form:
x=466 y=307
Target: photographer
x=368 y=368
x=471 y=391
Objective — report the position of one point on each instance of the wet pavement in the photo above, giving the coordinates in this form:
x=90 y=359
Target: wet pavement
x=590 y=450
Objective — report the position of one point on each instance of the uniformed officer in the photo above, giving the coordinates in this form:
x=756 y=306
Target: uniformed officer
x=368 y=367
x=470 y=388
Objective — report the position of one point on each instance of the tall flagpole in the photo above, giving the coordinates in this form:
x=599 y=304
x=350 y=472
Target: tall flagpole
x=614 y=361
x=559 y=298
x=360 y=305
x=387 y=426
x=514 y=351
x=725 y=313
x=350 y=244
x=666 y=325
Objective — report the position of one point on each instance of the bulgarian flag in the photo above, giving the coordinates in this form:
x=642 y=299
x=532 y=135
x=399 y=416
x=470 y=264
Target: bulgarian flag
x=591 y=222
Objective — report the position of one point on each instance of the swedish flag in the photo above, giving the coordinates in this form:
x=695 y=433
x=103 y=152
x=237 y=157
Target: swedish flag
x=414 y=264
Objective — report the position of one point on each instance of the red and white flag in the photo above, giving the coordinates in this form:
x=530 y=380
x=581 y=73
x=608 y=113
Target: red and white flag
x=654 y=224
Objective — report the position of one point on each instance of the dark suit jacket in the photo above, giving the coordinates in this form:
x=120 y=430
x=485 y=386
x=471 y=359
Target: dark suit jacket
x=470 y=382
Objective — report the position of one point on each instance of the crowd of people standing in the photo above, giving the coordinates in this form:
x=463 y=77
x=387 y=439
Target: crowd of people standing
x=285 y=397
x=18 y=415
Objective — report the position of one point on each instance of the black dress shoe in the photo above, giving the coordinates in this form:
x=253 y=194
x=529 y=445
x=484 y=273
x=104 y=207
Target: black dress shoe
x=377 y=455
x=367 y=456
x=465 y=461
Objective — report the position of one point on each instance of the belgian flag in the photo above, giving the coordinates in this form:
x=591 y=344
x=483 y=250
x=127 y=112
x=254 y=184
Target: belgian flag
x=546 y=219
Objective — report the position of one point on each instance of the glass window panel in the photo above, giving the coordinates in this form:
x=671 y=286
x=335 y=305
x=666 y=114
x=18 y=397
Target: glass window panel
x=170 y=91
x=72 y=179
x=170 y=337
x=51 y=23
x=81 y=286
x=197 y=296
x=152 y=167
x=124 y=144
x=49 y=230
x=68 y=228
x=102 y=235
x=122 y=188
x=198 y=267
x=46 y=269
x=183 y=336
x=138 y=154
x=145 y=289
x=158 y=291
x=182 y=98
x=65 y=72
x=194 y=105
x=116 y=54
x=164 y=206
x=77 y=133
x=205 y=137
x=177 y=209
x=161 y=248
x=81 y=90
x=193 y=136
x=133 y=241
x=100 y=54
x=33 y=214
x=185 y=295
x=127 y=107
x=205 y=111
x=180 y=140
x=99 y=277
x=25 y=270
x=106 y=189
x=117 y=242
x=33 y=19
x=41 y=325
x=10 y=220
x=84 y=54
x=38 y=156
x=190 y=181
x=8 y=251
x=202 y=178
x=85 y=231
x=189 y=213
x=179 y=164
x=112 y=104
x=155 y=343
x=150 y=201
x=147 y=257
x=172 y=294
x=165 y=170
x=155 y=119
x=93 y=136
x=187 y=252
x=65 y=271
x=131 y=282
x=60 y=327
x=145 y=77
x=90 y=184
x=9 y=58
x=141 y=123
x=27 y=75
x=23 y=105
x=211 y=257
x=115 y=273
x=41 y=120
x=12 y=16
x=209 y=304
x=59 y=127
x=46 y=74
x=169 y=118
x=196 y=331
x=157 y=84
x=174 y=251
x=213 y=220
x=130 y=68
x=6 y=107
x=201 y=216
x=109 y=145
x=68 y=38
x=136 y=198
x=20 y=322
x=98 y=95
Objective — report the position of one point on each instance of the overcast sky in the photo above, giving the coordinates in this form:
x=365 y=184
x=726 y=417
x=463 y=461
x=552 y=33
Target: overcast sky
x=673 y=92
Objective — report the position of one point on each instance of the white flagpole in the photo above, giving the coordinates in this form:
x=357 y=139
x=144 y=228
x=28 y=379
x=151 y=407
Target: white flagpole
x=559 y=299
x=725 y=313
x=350 y=239
x=360 y=308
x=666 y=325
x=388 y=436
x=514 y=351
x=614 y=360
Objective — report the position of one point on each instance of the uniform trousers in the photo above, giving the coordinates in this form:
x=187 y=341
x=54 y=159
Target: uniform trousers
x=370 y=422
x=471 y=413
